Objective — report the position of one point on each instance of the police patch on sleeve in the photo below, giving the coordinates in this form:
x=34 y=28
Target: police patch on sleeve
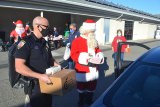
x=21 y=44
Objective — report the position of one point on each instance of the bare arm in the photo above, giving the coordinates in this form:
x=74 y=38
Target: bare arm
x=56 y=63
x=26 y=71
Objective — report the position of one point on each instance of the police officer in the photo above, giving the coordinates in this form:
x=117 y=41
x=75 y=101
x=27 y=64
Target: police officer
x=74 y=33
x=32 y=58
x=55 y=33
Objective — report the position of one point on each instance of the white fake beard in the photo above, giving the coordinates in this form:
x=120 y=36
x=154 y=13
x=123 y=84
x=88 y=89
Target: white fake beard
x=91 y=41
x=20 y=31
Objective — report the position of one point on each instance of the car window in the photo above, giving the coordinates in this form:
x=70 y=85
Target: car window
x=141 y=89
x=134 y=52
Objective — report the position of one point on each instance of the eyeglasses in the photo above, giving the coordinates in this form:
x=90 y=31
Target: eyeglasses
x=43 y=25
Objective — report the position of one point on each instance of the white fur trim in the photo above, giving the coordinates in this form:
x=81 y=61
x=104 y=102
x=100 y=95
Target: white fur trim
x=90 y=76
x=101 y=56
x=88 y=26
x=19 y=25
x=83 y=57
x=83 y=36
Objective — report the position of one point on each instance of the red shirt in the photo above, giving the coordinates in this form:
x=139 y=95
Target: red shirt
x=115 y=43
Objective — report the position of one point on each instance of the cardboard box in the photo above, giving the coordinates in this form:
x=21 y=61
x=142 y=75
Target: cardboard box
x=63 y=82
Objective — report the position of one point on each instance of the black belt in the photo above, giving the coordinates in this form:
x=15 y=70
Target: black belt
x=35 y=81
x=90 y=64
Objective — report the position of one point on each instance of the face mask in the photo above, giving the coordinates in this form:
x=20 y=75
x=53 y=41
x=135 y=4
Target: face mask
x=119 y=34
x=45 y=32
x=71 y=31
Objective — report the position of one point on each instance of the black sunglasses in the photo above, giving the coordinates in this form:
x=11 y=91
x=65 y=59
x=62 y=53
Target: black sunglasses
x=43 y=25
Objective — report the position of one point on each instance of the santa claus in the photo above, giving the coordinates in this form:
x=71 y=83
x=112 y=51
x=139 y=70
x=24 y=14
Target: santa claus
x=19 y=32
x=86 y=55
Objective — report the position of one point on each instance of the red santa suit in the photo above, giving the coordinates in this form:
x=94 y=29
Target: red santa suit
x=19 y=31
x=86 y=76
x=86 y=55
x=115 y=43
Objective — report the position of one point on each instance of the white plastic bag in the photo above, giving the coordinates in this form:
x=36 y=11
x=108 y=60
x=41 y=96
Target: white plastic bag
x=53 y=70
x=67 y=52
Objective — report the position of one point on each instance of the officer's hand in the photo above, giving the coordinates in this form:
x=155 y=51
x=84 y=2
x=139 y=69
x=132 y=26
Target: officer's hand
x=45 y=79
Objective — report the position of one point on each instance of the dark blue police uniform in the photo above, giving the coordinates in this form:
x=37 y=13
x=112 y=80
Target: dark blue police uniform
x=38 y=58
x=55 y=33
x=71 y=38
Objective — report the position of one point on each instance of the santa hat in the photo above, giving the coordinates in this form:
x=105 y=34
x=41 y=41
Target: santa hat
x=89 y=25
x=18 y=23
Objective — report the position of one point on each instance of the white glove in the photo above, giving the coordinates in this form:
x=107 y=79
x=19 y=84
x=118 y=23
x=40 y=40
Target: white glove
x=95 y=60
x=53 y=70
x=101 y=56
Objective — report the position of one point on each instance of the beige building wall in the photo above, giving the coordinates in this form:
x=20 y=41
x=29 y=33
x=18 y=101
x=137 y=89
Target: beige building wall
x=151 y=30
x=100 y=35
x=143 y=31
x=114 y=26
x=102 y=31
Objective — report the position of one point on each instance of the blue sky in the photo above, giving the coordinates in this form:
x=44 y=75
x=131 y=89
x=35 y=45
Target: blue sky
x=150 y=6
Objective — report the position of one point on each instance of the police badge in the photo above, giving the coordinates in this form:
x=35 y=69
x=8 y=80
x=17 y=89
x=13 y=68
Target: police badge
x=21 y=44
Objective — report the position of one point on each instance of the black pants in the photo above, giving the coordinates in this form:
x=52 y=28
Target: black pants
x=38 y=99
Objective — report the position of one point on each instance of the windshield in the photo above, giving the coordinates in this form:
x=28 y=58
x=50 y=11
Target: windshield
x=141 y=89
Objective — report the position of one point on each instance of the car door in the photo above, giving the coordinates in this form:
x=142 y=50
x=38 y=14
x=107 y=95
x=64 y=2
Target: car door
x=136 y=48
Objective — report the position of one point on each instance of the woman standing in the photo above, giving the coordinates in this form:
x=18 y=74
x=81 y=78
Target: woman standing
x=118 y=38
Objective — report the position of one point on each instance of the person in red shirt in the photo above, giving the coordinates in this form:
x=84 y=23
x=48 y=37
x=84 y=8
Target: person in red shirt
x=118 y=38
x=19 y=32
x=86 y=55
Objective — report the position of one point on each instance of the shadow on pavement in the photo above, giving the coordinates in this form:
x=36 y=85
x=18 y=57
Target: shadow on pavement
x=104 y=80
x=103 y=67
